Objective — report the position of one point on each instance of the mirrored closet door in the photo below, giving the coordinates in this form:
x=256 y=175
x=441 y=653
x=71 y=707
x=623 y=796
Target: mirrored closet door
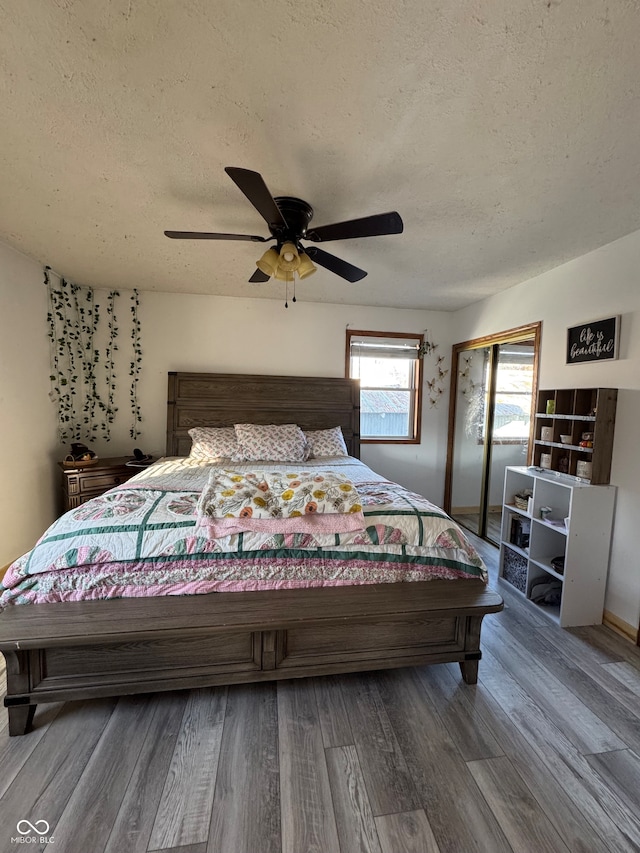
x=494 y=382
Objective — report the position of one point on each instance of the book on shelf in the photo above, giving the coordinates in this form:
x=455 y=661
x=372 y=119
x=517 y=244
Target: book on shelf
x=520 y=532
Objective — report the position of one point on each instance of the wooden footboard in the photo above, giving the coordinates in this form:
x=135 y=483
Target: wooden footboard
x=59 y=652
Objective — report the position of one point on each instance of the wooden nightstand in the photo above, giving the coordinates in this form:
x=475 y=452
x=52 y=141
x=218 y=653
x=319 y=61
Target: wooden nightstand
x=81 y=484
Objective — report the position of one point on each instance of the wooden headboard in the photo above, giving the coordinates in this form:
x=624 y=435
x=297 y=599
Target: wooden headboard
x=225 y=399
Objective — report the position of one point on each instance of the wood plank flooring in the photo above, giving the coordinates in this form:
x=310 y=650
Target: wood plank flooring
x=542 y=755
x=471 y=523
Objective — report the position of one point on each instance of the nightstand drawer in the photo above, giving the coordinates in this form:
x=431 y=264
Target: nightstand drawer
x=72 y=501
x=100 y=482
x=82 y=484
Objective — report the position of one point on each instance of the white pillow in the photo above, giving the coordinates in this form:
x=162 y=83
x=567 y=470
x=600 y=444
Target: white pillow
x=271 y=443
x=213 y=442
x=326 y=442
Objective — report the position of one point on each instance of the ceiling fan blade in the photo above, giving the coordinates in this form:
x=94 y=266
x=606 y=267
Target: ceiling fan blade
x=336 y=265
x=255 y=189
x=368 y=226
x=203 y=235
x=259 y=276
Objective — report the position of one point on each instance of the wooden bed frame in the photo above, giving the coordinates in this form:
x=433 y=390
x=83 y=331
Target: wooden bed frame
x=77 y=650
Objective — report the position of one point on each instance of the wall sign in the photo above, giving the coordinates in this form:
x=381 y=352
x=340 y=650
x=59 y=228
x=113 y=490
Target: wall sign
x=597 y=341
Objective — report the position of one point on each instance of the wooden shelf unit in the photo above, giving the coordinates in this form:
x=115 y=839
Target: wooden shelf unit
x=577 y=410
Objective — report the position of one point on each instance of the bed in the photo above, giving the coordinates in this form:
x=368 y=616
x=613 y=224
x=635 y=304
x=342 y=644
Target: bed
x=195 y=626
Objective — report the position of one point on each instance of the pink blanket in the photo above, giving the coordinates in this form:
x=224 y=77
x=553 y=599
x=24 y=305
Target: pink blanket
x=217 y=528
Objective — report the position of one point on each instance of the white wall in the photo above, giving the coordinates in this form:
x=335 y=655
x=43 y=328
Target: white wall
x=27 y=417
x=600 y=284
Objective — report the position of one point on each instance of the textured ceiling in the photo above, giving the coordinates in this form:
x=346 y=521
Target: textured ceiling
x=505 y=132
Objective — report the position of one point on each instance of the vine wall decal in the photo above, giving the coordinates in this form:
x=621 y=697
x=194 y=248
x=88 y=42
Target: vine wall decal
x=83 y=359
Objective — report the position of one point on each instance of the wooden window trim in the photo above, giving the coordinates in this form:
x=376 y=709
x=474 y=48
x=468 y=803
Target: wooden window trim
x=417 y=409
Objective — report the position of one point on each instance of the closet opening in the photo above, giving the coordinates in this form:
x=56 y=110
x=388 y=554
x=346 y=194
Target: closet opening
x=493 y=392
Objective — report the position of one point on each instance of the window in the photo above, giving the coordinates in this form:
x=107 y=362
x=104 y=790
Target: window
x=388 y=367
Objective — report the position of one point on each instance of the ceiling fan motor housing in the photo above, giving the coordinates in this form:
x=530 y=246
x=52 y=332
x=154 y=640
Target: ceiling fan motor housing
x=297 y=214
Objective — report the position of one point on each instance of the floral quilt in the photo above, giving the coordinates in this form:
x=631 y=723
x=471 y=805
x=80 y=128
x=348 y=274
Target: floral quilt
x=143 y=539
x=278 y=502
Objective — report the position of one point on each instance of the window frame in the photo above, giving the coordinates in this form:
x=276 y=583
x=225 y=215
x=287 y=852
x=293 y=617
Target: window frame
x=416 y=424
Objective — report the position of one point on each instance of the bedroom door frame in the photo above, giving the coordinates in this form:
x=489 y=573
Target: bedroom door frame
x=530 y=331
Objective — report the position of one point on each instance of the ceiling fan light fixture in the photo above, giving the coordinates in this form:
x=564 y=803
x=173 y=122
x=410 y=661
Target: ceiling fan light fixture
x=268 y=263
x=306 y=267
x=289 y=258
x=284 y=275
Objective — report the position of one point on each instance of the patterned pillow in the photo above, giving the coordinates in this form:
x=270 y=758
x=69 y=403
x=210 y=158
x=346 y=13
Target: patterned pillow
x=213 y=442
x=271 y=442
x=326 y=442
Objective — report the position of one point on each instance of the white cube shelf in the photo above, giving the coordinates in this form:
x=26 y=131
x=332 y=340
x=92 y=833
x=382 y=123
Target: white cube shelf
x=577 y=528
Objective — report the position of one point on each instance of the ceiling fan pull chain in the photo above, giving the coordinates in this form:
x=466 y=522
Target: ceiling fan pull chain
x=286 y=294
x=294 y=288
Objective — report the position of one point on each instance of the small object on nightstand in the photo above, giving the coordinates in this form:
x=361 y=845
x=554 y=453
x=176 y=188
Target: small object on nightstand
x=80 y=456
x=69 y=462
x=140 y=459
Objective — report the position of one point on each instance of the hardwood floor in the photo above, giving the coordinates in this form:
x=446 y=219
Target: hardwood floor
x=542 y=755
x=471 y=523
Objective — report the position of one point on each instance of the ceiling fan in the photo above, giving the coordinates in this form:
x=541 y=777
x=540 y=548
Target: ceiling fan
x=288 y=220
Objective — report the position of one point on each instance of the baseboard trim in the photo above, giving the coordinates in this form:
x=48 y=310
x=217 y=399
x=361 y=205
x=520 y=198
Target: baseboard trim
x=620 y=626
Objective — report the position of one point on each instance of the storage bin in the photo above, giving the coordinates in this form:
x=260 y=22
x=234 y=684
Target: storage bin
x=514 y=569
